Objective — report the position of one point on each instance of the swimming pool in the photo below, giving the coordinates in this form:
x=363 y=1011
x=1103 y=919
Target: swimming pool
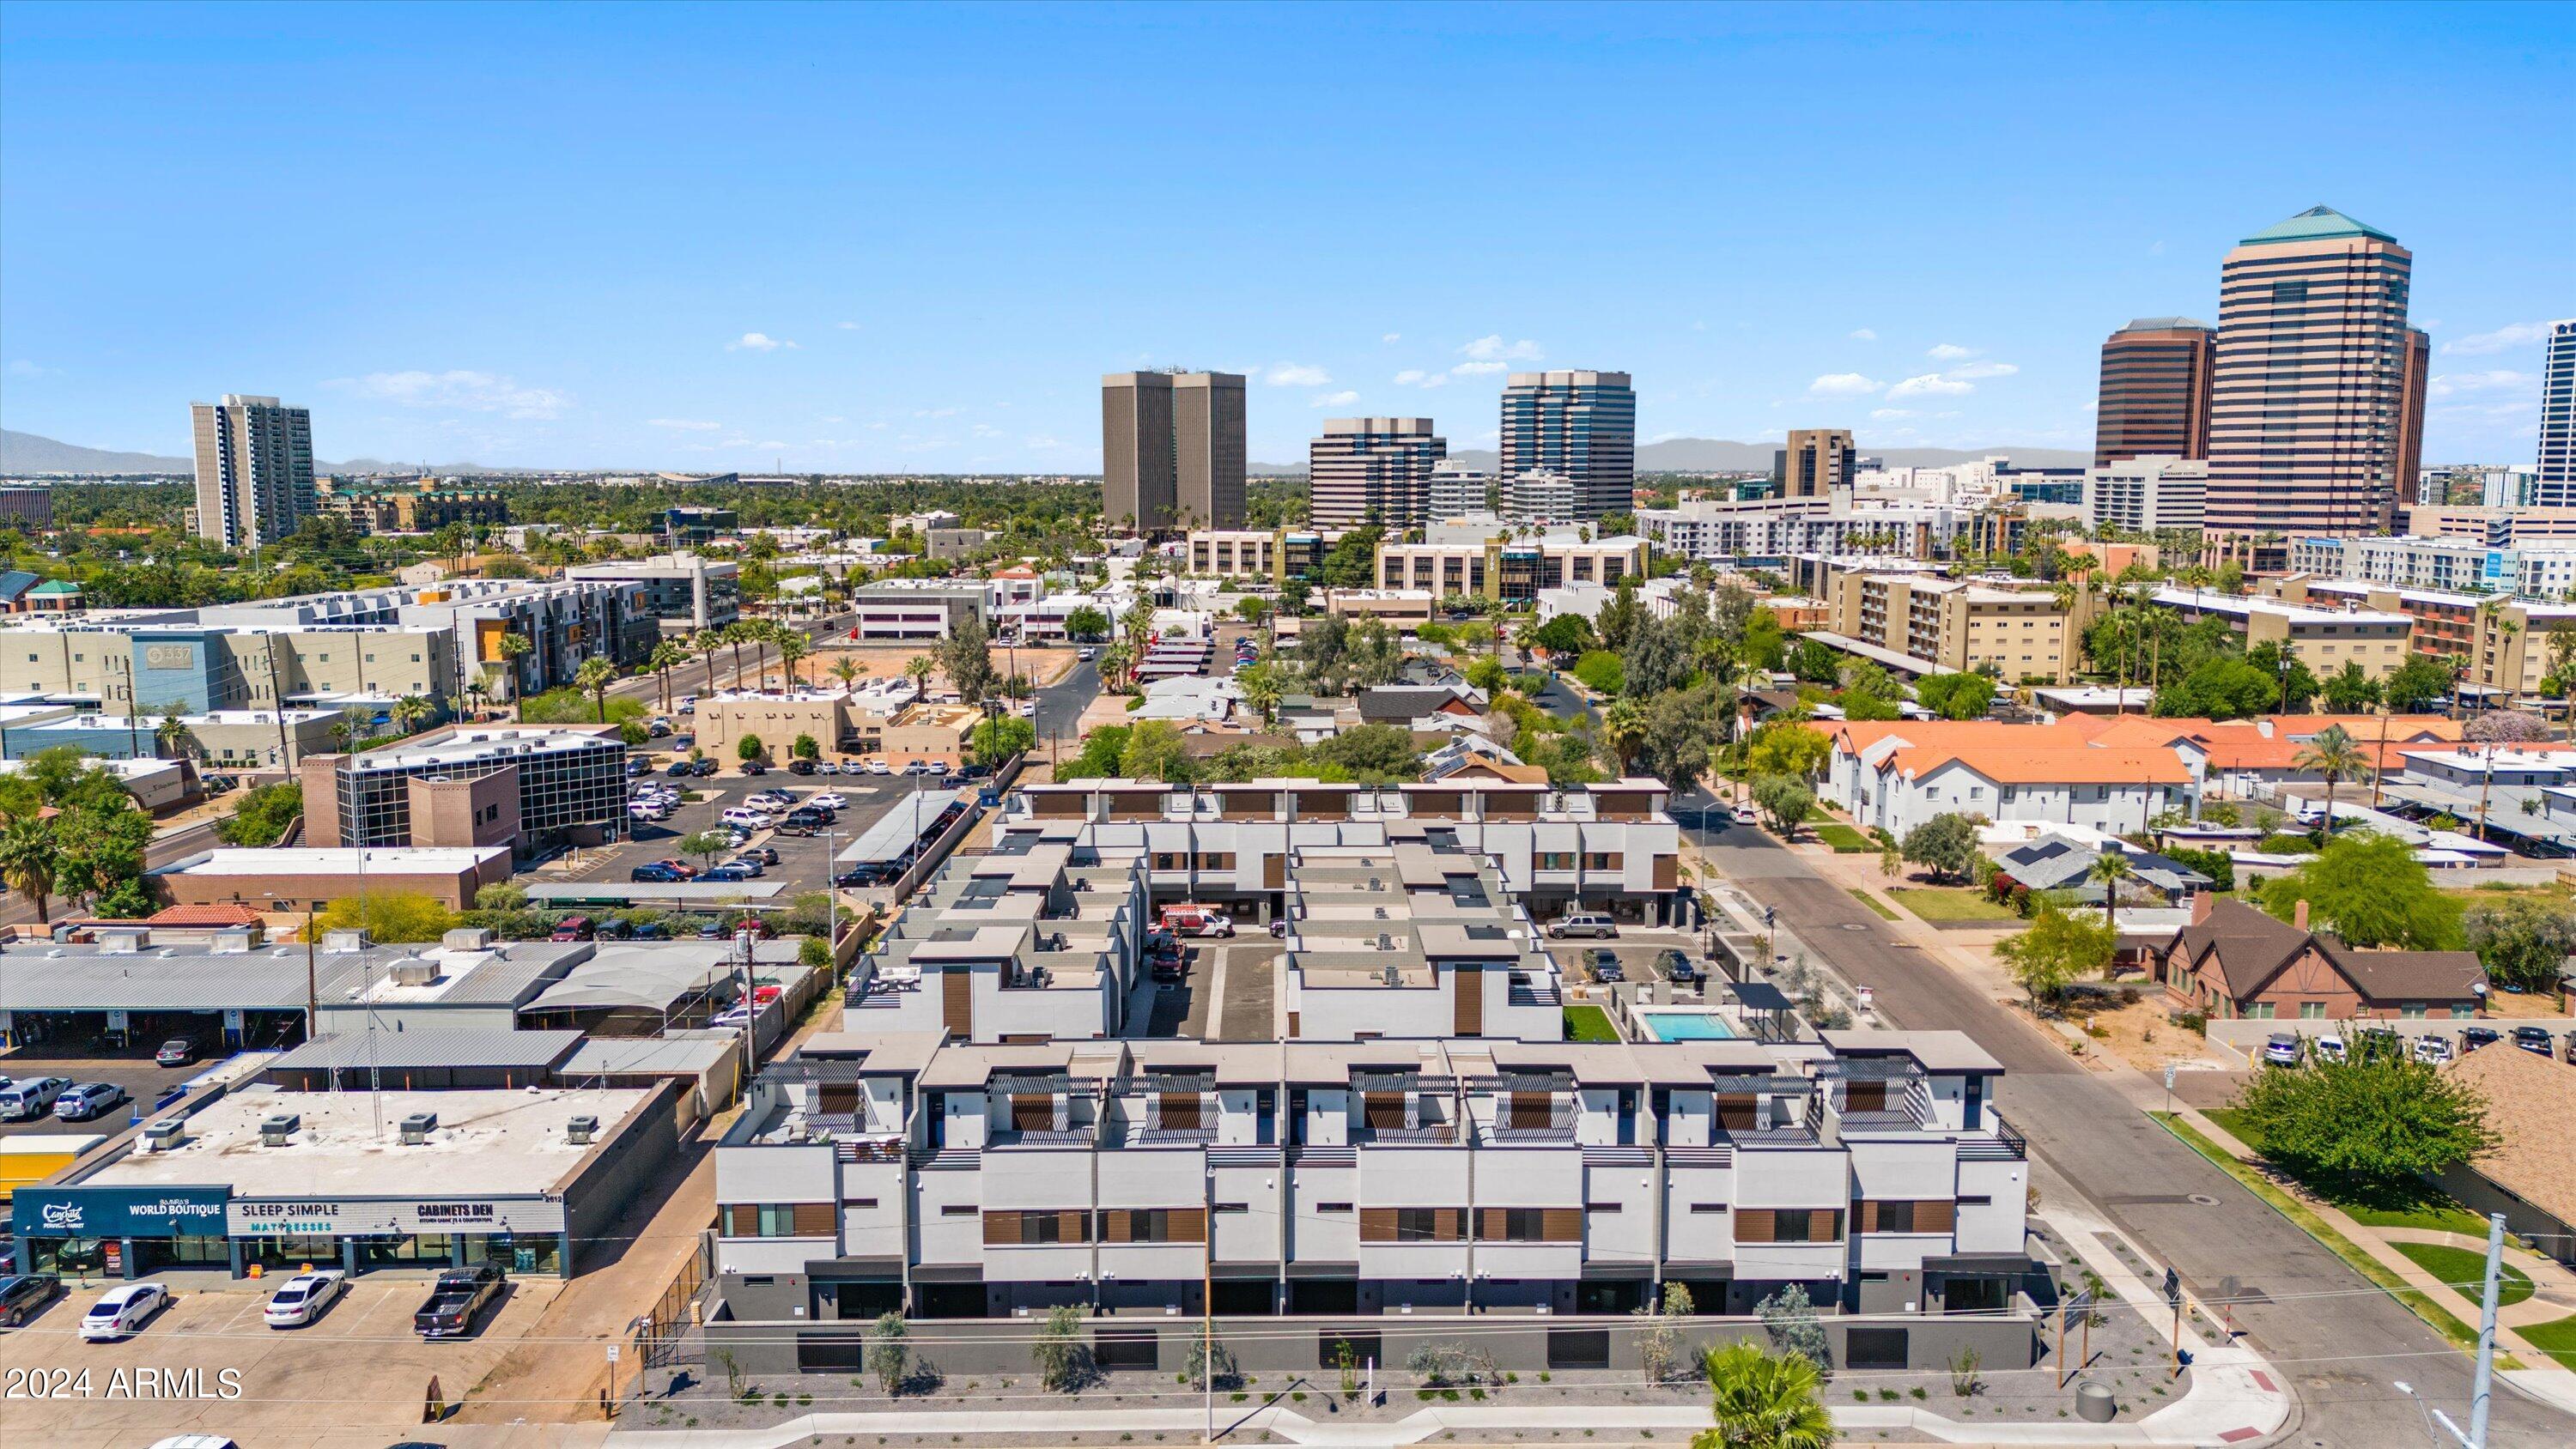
x=1686 y=1025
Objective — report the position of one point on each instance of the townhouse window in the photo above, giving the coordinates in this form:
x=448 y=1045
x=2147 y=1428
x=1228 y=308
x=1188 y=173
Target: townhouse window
x=1529 y=1225
x=778 y=1220
x=958 y=1210
x=1601 y=860
x=1708 y=1207
x=1233 y=1207
x=1153 y=1225
x=1332 y=1207
x=1167 y=860
x=861 y=1204
x=2260 y=1011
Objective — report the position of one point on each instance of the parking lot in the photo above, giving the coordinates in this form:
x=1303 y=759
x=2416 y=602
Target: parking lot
x=143 y=1083
x=359 y=1367
x=1640 y=951
x=803 y=862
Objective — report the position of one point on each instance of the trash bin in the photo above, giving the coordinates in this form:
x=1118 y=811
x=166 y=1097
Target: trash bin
x=2094 y=1404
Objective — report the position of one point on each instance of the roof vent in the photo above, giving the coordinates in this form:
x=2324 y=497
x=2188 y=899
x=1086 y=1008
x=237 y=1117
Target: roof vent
x=467 y=938
x=231 y=941
x=1386 y=942
x=580 y=1130
x=341 y=942
x=414 y=971
x=1376 y=884
x=1390 y=973
x=165 y=1134
x=417 y=1127
x=120 y=943
x=274 y=1130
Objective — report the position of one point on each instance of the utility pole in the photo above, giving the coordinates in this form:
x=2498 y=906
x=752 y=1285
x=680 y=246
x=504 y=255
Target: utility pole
x=2482 y=1387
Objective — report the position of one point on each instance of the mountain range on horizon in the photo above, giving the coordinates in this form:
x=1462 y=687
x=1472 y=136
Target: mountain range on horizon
x=28 y=453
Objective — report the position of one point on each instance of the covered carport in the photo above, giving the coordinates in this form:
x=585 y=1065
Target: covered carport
x=110 y=999
x=435 y=1059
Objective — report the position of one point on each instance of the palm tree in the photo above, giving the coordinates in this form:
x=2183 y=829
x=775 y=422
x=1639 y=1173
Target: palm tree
x=918 y=669
x=710 y=643
x=2336 y=756
x=792 y=646
x=1113 y=664
x=172 y=735
x=845 y=670
x=27 y=851
x=410 y=712
x=1494 y=611
x=1261 y=690
x=1762 y=1400
x=666 y=656
x=2562 y=654
x=736 y=635
x=594 y=677
x=512 y=648
x=1623 y=733
x=2111 y=868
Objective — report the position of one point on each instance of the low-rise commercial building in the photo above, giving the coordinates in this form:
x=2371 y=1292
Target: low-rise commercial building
x=2495 y=526
x=685 y=592
x=2147 y=493
x=524 y=786
x=776 y=719
x=918 y=609
x=954 y=543
x=1400 y=609
x=310 y=879
x=1470 y=559
x=930 y=734
x=233 y=739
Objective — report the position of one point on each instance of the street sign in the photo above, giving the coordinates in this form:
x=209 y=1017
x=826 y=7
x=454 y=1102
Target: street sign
x=2173 y=1287
x=612 y=1353
x=2172 y=1069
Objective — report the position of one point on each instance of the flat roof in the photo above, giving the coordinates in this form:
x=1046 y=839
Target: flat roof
x=432 y=1047
x=338 y=860
x=487 y=1142
x=900 y=828
x=42 y=976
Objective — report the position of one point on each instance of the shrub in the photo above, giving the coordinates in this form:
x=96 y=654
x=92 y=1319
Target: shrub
x=1602 y=671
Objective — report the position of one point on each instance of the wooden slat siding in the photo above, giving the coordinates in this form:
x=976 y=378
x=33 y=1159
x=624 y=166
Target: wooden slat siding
x=1181 y=1110
x=1117 y=1225
x=1293 y=1032
x=1864 y=1096
x=814 y=1220
x=1864 y=1215
x=1492 y=1224
x=1560 y=1225
x=1736 y=1110
x=1073 y=1225
x=1065 y=805
x=1001 y=1226
x=1188 y=1225
x=742 y=1220
x=1935 y=1215
x=1532 y=1109
x=1383 y=1109
x=1032 y=1113
x=1753 y=1225
x=957 y=1003
x=1825 y=1225
x=1449 y=1225
x=1274 y=871
x=1667 y=872
x=1377 y=1225
x=1469 y=993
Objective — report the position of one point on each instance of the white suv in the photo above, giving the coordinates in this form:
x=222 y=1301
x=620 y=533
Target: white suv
x=748 y=818
x=1584 y=923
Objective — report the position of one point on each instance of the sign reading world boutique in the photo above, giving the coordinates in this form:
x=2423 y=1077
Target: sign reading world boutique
x=119 y=1212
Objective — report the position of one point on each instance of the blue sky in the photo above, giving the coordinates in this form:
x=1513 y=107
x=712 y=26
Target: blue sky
x=879 y=238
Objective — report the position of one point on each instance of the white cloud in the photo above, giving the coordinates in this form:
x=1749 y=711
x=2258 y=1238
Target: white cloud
x=1479 y=369
x=1863 y=334
x=1493 y=348
x=847 y=326
x=2450 y=384
x=1843 y=384
x=2503 y=339
x=1340 y=399
x=1416 y=377
x=458 y=389
x=1883 y=414
x=1930 y=384
x=1665 y=437
x=686 y=425
x=1984 y=369
x=758 y=342
x=935 y=413
x=1392 y=337
x=1948 y=352
x=1296 y=374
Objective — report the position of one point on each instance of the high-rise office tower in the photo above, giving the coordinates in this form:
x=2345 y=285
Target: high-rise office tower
x=1172 y=449
x=2410 y=422
x=1373 y=470
x=2155 y=390
x=1580 y=424
x=2307 y=404
x=2557 y=483
x=1816 y=462
x=254 y=470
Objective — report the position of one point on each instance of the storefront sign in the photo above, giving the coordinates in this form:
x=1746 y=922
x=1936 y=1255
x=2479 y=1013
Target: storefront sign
x=317 y=1217
x=119 y=1212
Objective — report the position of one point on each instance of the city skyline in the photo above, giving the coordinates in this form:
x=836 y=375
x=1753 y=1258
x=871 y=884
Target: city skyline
x=801 y=281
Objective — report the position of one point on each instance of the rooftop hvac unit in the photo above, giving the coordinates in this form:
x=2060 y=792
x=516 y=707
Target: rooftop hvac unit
x=580 y=1130
x=417 y=1127
x=273 y=1131
x=1385 y=942
x=165 y=1134
x=413 y=971
x=467 y=938
x=1390 y=973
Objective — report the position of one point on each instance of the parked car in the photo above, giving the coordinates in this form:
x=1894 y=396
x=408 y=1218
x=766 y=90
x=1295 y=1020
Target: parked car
x=24 y=1297
x=178 y=1051
x=751 y=861
x=728 y=873
x=1583 y=923
x=572 y=928
x=2281 y=1049
x=1605 y=966
x=765 y=854
x=800 y=829
x=682 y=767
x=731 y=1019
x=2432 y=1050
x=802 y=767
x=711 y=930
x=34 y=1097
x=652 y=931
x=654 y=874
x=89 y=1099
x=828 y=800
x=1197 y=921
x=122 y=1311
x=2534 y=1039
x=302 y=1298
x=754 y=767
x=877 y=766
x=1677 y=968
x=2328 y=1048
x=748 y=817
x=614 y=929
x=2472 y=1038
x=455 y=1299
x=834 y=767
x=658 y=728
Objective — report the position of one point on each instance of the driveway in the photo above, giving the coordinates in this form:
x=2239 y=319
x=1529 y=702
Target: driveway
x=2343 y=1342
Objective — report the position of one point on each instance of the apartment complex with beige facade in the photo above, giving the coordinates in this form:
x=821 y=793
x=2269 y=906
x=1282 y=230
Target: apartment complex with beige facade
x=1953 y=626
x=2323 y=638
x=1818 y=463
x=2501 y=643
x=1472 y=558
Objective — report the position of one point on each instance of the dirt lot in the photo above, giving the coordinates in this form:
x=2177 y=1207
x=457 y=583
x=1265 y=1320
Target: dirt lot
x=360 y=1367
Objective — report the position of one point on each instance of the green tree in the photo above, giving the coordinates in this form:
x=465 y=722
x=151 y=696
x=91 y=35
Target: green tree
x=1790 y=1319
x=806 y=747
x=889 y=1357
x=1956 y=696
x=706 y=844
x=1000 y=737
x=512 y=648
x=1154 y=751
x=2332 y=756
x=27 y=863
x=389 y=916
x=2294 y=684
x=1262 y=690
x=2351 y=691
x=1681 y=727
x=1370 y=754
x=1786 y=747
x=1785 y=799
x=2219 y=688
x=1566 y=635
x=2112 y=870
x=2059 y=949
x=171 y=735
x=411 y=712
x=2419 y=682
x=2377 y=1116
x=1623 y=734
x=594 y=678
x=1352 y=561
x=1659 y=1332
x=2370 y=890
x=1601 y=672
x=1058 y=1351
x=749 y=748
x=1619 y=615
x=793 y=645
x=2523 y=940
x=1945 y=844
x=261 y=815
x=966 y=657
x=1764 y=1400
x=1086 y=622
x=1815 y=663
x=668 y=655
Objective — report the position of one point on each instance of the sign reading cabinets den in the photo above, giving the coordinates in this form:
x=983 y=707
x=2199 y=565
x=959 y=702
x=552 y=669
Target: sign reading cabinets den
x=360 y=1216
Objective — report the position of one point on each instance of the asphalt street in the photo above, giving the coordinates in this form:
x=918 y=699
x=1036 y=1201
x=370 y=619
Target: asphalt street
x=2342 y=1342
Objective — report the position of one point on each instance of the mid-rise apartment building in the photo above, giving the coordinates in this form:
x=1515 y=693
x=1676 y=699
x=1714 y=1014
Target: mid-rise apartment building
x=686 y=592
x=2557 y=487
x=254 y=470
x=1938 y=625
x=2324 y=639
x=2496 y=526
x=2501 y=643
x=1724 y=530
x=2143 y=493
x=1542 y=498
x=1172 y=449
x=1582 y=424
x=2535 y=571
x=1466 y=559
x=2155 y=390
x=1373 y=471
x=420 y=506
x=1367 y=1188
x=1817 y=463
x=2308 y=412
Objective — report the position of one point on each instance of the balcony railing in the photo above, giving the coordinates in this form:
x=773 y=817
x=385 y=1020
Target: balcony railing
x=1438 y=1133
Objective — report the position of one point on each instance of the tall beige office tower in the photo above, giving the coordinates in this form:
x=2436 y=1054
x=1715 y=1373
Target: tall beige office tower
x=1816 y=462
x=2155 y=391
x=1172 y=449
x=2308 y=406
x=254 y=470
x=1373 y=471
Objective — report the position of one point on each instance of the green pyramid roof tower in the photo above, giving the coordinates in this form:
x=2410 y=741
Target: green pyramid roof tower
x=2316 y=224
